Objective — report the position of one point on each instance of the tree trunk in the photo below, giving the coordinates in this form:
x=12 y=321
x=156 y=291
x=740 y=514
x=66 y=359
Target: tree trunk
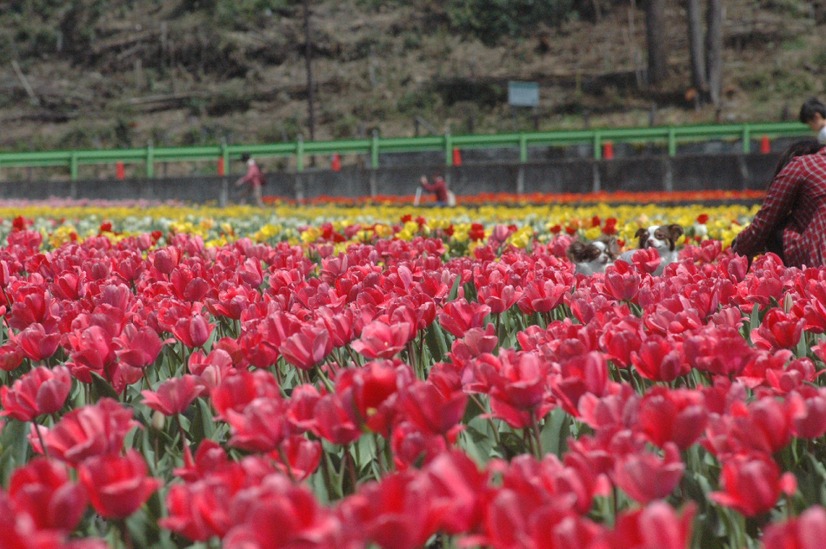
x=696 y=48
x=714 y=49
x=657 y=41
x=308 y=61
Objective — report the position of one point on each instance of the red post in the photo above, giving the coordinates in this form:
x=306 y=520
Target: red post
x=221 y=167
x=765 y=145
x=120 y=171
x=335 y=162
x=608 y=150
x=457 y=157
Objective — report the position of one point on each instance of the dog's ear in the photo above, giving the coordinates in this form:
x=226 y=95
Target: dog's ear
x=675 y=231
x=612 y=246
x=641 y=235
x=575 y=251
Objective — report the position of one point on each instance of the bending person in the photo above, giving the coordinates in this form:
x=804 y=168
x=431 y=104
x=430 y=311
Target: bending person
x=792 y=219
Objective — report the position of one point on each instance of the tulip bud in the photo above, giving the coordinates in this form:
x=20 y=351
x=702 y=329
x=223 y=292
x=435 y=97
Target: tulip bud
x=158 y=420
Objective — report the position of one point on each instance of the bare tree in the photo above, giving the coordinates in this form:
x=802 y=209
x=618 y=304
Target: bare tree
x=657 y=43
x=308 y=56
x=696 y=47
x=714 y=49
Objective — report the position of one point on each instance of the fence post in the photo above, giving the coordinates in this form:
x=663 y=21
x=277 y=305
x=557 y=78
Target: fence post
x=597 y=145
x=374 y=163
x=299 y=154
x=73 y=166
x=523 y=158
x=150 y=161
x=746 y=139
x=448 y=149
x=672 y=141
x=223 y=170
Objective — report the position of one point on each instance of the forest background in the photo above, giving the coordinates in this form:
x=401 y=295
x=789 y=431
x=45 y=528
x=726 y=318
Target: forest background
x=124 y=73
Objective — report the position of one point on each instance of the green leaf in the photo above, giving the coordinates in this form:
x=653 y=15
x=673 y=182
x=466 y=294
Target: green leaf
x=102 y=387
x=454 y=290
x=554 y=434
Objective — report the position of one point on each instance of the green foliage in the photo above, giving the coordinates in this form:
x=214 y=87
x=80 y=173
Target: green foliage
x=490 y=20
x=242 y=14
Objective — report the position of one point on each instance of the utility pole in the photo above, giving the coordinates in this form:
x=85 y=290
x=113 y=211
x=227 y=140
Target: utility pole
x=308 y=54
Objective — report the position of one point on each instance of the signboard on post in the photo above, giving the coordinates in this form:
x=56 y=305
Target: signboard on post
x=523 y=94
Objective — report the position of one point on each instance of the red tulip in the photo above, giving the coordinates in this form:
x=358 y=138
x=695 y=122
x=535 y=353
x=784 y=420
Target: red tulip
x=297 y=457
x=42 y=489
x=92 y=430
x=308 y=347
x=458 y=490
x=117 y=485
x=395 y=512
x=193 y=331
x=542 y=296
x=41 y=391
x=434 y=410
x=621 y=283
x=778 y=330
x=659 y=359
x=645 y=476
x=236 y=391
x=139 y=347
x=21 y=532
x=260 y=427
x=174 y=395
x=334 y=421
x=804 y=532
x=676 y=415
x=458 y=316
x=656 y=525
x=380 y=340
x=413 y=447
x=36 y=343
x=808 y=407
x=751 y=484
x=11 y=357
x=279 y=514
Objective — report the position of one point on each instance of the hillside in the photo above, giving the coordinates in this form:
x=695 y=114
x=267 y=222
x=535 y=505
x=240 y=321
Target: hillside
x=93 y=73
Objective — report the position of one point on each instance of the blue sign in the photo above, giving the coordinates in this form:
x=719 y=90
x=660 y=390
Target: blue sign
x=523 y=94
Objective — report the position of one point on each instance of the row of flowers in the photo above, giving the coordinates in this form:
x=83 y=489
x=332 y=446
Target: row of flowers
x=164 y=392
x=461 y=229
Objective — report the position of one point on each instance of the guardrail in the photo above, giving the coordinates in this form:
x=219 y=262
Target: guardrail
x=375 y=146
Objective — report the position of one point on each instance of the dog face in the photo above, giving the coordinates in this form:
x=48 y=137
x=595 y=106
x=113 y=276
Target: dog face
x=662 y=238
x=593 y=257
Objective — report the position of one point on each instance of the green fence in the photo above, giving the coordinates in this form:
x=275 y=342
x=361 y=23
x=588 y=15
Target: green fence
x=375 y=146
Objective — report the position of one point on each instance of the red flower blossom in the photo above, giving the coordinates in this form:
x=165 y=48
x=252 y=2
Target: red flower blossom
x=804 y=532
x=117 y=485
x=752 y=483
x=41 y=391
x=174 y=395
x=298 y=457
x=138 y=347
x=36 y=343
x=42 y=489
x=308 y=347
x=645 y=476
x=458 y=316
x=92 y=430
x=381 y=340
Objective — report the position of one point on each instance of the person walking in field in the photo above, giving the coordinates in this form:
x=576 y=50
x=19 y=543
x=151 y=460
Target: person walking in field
x=254 y=178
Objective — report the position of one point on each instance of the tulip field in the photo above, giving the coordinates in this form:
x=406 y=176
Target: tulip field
x=379 y=375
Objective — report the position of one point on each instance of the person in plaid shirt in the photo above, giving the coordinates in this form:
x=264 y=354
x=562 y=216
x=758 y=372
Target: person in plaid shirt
x=792 y=220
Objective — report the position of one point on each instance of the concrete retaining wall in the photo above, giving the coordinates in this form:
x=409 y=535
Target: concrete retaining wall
x=729 y=171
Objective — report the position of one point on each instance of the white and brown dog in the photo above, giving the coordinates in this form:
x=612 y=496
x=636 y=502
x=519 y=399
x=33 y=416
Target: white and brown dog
x=662 y=238
x=593 y=257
